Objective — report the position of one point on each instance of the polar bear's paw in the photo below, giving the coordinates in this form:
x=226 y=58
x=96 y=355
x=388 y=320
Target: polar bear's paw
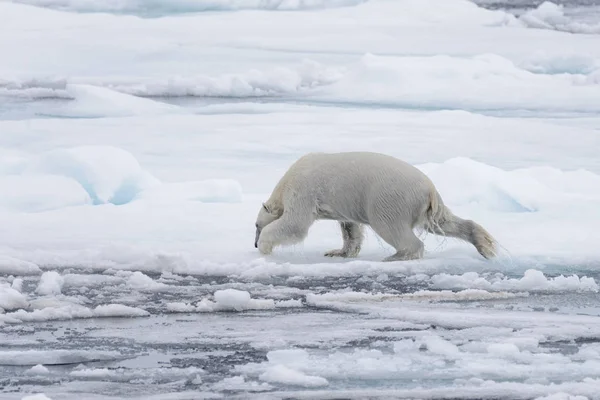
x=404 y=256
x=341 y=253
x=265 y=247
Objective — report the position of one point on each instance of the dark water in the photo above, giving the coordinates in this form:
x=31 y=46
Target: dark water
x=167 y=355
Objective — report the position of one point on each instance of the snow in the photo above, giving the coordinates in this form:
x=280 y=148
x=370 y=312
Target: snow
x=138 y=68
x=503 y=349
x=108 y=174
x=64 y=310
x=541 y=62
x=430 y=83
x=285 y=375
x=497 y=198
x=49 y=314
x=190 y=6
x=230 y=300
x=35 y=193
x=437 y=345
x=561 y=396
x=94 y=102
x=85 y=175
x=132 y=170
x=253 y=83
x=138 y=280
x=50 y=283
x=532 y=281
x=38 y=369
x=10 y=298
x=549 y=15
x=53 y=357
x=428 y=354
x=40 y=396
x=520 y=190
x=119 y=310
x=240 y=383
x=17 y=284
x=14 y=266
x=207 y=191
x=120 y=373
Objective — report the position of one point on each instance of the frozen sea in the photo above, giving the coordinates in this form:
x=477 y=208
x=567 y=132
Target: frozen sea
x=138 y=139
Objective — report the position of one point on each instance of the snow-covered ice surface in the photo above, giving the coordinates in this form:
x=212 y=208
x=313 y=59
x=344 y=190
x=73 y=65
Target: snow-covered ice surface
x=139 y=138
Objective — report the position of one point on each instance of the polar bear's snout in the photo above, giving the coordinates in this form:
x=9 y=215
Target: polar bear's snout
x=265 y=216
x=257 y=236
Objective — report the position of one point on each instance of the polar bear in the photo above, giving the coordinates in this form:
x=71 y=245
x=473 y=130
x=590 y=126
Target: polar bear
x=357 y=189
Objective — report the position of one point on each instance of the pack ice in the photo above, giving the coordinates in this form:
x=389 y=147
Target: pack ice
x=138 y=141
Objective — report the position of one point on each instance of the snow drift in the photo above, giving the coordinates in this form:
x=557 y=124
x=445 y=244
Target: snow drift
x=486 y=82
x=158 y=7
x=15 y=266
x=94 y=102
x=549 y=15
x=108 y=174
x=482 y=83
x=463 y=181
x=96 y=175
x=225 y=300
x=11 y=299
x=35 y=193
x=116 y=97
x=207 y=191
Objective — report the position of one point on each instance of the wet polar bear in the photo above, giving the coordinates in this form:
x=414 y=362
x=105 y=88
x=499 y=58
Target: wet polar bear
x=357 y=189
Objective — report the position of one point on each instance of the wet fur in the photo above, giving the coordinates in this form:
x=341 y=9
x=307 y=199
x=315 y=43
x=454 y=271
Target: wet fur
x=357 y=189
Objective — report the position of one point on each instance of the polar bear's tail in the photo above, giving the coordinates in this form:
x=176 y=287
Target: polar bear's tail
x=441 y=221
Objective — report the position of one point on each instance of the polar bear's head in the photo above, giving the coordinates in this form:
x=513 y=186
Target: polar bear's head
x=266 y=215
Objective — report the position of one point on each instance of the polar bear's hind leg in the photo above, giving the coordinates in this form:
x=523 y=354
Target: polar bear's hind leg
x=352 y=234
x=402 y=238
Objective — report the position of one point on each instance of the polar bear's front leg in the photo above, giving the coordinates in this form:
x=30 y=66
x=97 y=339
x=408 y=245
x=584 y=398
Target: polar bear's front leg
x=289 y=229
x=353 y=237
x=265 y=247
